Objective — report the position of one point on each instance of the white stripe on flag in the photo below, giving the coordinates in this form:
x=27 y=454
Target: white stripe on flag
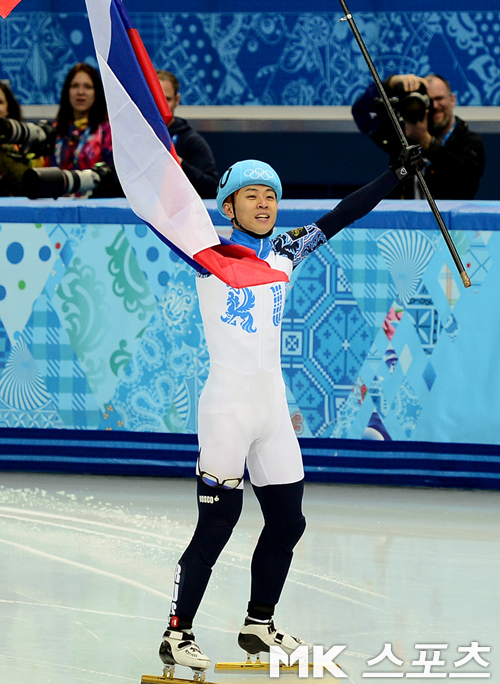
x=100 y=24
x=155 y=185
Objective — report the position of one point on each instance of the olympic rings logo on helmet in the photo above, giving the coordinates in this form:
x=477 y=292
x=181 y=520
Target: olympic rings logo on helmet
x=259 y=173
x=243 y=173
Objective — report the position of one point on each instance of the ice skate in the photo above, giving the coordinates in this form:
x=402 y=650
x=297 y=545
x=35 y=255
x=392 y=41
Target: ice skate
x=258 y=638
x=179 y=648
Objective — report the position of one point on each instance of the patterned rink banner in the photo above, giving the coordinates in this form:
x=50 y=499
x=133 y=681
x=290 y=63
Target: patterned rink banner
x=384 y=351
x=274 y=54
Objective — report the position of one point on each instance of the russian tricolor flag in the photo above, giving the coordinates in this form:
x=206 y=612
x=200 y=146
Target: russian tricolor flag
x=146 y=163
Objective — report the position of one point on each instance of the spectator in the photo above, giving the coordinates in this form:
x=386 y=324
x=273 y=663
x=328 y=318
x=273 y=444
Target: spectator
x=9 y=106
x=83 y=133
x=13 y=161
x=194 y=153
x=455 y=155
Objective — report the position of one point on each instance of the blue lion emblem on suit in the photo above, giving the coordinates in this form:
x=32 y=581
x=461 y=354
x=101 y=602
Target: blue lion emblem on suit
x=239 y=304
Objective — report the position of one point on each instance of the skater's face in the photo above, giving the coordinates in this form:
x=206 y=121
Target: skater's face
x=256 y=208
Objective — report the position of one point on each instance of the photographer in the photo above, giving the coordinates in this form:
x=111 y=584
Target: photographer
x=14 y=158
x=455 y=155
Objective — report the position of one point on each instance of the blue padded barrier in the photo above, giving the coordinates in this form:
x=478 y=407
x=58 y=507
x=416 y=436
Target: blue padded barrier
x=102 y=354
x=168 y=455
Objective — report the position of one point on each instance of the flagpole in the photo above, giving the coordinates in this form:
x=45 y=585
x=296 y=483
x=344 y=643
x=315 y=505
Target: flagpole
x=395 y=121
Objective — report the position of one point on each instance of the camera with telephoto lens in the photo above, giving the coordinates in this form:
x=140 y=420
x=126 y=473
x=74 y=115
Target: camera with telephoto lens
x=37 y=139
x=54 y=182
x=412 y=106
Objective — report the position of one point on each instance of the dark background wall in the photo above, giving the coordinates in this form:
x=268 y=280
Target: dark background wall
x=324 y=165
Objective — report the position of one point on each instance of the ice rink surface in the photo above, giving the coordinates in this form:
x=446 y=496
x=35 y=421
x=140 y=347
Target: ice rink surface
x=87 y=565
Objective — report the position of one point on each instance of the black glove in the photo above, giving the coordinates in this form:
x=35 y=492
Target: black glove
x=408 y=162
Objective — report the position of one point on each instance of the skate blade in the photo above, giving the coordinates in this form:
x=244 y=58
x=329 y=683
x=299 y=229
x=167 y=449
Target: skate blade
x=254 y=666
x=257 y=666
x=166 y=679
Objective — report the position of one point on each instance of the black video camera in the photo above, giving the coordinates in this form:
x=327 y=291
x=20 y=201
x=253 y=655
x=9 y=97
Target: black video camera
x=412 y=106
x=54 y=182
x=37 y=139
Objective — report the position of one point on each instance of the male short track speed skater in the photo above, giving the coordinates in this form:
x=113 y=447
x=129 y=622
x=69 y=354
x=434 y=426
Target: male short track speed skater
x=243 y=413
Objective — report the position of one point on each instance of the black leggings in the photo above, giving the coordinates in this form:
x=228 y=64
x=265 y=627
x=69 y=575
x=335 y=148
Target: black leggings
x=218 y=513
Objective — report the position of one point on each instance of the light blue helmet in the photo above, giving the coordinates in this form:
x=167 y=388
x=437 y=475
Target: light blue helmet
x=245 y=173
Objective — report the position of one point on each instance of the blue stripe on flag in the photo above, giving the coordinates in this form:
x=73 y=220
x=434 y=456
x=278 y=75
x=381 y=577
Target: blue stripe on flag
x=123 y=62
x=191 y=262
x=126 y=20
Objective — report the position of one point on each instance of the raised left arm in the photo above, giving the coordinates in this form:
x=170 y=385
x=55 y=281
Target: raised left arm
x=362 y=201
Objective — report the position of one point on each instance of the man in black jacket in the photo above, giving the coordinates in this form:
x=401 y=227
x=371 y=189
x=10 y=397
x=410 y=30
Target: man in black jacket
x=455 y=155
x=194 y=153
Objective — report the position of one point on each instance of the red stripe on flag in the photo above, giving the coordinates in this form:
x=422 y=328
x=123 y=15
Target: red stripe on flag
x=238 y=266
x=152 y=79
x=6 y=7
